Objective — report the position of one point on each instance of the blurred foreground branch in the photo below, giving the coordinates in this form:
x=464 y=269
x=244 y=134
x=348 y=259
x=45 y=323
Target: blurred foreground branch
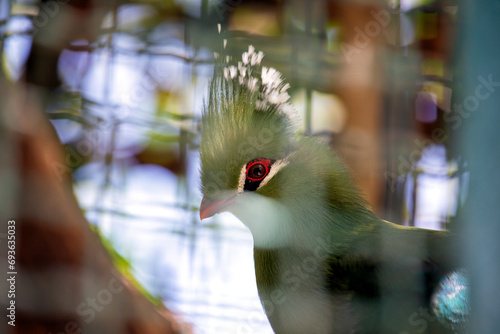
x=65 y=281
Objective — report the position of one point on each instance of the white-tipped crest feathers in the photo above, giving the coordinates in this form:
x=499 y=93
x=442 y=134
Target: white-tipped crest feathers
x=267 y=81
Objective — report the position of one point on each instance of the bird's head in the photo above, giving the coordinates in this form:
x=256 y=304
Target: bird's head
x=247 y=137
x=254 y=165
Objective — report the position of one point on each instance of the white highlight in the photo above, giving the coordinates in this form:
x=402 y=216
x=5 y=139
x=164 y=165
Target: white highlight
x=289 y=110
x=269 y=84
x=252 y=58
x=233 y=72
x=244 y=58
x=241 y=181
x=230 y=72
x=276 y=97
x=271 y=77
x=252 y=84
x=242 y=69
x=275 y=168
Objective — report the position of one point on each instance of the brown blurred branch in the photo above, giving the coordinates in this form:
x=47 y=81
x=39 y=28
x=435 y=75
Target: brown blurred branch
x=66 y=281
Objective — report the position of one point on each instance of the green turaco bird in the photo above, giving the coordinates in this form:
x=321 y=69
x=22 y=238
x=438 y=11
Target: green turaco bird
x=324 y=263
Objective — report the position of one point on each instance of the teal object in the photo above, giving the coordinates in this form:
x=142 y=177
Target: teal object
x=450 y=302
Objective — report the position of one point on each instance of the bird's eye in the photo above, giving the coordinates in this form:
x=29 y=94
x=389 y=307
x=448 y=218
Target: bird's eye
x=258 y=169
x=257 y=172
x=254 y=174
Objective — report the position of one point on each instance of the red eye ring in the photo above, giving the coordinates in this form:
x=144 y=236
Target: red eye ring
x=258 y=169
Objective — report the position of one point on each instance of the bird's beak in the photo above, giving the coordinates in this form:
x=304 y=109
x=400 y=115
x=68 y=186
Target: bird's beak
x=210 y=207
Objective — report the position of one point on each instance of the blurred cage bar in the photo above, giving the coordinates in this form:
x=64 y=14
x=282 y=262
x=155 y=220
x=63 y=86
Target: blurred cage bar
x=124 y=84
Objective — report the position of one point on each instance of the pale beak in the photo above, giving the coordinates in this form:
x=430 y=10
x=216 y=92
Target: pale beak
x=209 y=207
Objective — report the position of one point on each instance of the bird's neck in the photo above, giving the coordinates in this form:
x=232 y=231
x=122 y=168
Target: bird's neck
x=291 y=288
x=335 y=228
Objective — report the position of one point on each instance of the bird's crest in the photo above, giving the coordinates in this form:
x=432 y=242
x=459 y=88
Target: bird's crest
x=248 y=115
x=248 y=81
x=264 y=82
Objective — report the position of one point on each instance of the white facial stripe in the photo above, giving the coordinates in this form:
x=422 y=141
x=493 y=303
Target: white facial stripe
x=243 y=176
x=275 y=168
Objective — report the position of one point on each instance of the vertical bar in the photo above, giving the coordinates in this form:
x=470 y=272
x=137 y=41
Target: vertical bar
x=308 y=32
x=477 y=109
x=108 y=161
x=394 y=105
x=3 y=24
x=308 y=112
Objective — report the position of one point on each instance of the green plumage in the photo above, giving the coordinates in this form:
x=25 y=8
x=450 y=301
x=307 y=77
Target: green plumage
x=324 y=263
